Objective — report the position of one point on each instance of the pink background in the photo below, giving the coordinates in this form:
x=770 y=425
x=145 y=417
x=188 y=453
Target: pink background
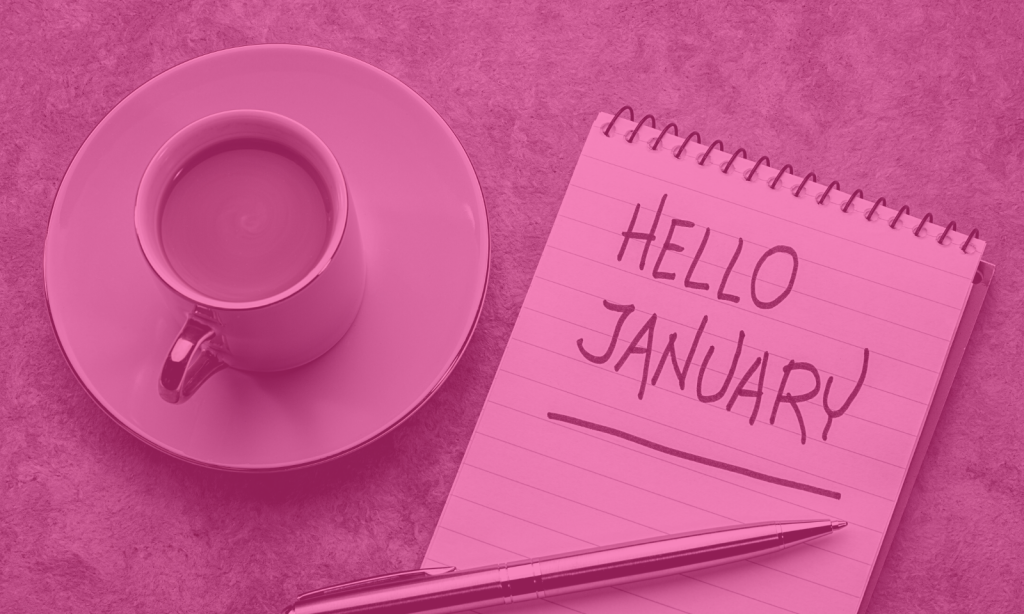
x=920 y=102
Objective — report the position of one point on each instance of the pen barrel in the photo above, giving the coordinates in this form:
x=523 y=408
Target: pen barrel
x=447 y=593
x=653 y=559
x=648 y=559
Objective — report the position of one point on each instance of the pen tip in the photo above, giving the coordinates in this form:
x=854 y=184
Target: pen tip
x=838 y=524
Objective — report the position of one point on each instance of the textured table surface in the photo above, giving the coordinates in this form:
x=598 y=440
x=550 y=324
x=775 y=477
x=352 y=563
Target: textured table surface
x=921 y=102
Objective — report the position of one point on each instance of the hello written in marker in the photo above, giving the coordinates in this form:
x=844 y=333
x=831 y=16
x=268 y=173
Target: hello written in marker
x=643 y=342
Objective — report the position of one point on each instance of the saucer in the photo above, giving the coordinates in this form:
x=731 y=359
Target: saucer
x=424 y=230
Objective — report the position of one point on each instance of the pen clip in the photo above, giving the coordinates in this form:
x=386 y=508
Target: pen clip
x=374 y=582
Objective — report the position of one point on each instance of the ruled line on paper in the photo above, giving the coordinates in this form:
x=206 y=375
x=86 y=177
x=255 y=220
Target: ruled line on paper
x=580 y=503
x=715 y=370
x=762 y=212
x=484 y=542
x=694 y=458
x=662 y=459
x=555 y=603
x=815 y=263
x=745 y=595
x=627 y=484
x=601 y=475
x=737 y=308
x=521 y=519
x=685 y=396
x=646 y=598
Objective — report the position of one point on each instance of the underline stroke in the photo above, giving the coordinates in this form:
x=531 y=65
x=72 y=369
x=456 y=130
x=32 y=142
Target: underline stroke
x=764 y=477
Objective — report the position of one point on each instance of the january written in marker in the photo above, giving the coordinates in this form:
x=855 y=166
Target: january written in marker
x=667 y=359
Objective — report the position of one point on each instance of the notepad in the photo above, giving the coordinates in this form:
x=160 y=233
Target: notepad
x=706 y=344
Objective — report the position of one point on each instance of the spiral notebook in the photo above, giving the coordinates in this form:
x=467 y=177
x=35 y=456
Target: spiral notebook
x=710 y=340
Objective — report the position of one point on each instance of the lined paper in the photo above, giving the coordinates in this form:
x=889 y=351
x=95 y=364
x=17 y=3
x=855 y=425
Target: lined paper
x=614 y=414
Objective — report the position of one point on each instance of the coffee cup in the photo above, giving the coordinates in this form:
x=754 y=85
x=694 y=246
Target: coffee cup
x=246 y=215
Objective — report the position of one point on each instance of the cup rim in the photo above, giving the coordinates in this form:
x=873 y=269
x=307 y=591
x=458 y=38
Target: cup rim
x=148 y=202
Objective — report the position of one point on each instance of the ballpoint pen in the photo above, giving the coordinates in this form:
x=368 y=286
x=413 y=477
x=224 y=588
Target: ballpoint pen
x=442 y=590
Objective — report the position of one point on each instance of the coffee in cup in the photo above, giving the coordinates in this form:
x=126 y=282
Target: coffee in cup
x=244 y=220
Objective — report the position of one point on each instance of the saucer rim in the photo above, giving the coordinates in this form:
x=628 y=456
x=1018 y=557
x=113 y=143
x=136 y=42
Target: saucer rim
x=424 y=396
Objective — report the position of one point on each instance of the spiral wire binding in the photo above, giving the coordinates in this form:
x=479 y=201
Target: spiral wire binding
x=849 y=201
x=738 y=152
x=692 y=135
x=640 y=125
x=788 y=167
x=824 y=195
x=704 y=158
x=821 y=199
x=896 y=218
x=927 y=218
x=657 y=141
x=949 y=226
x=762 y=159
x=879 y=202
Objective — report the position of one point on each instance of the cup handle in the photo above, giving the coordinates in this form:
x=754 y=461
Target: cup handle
x=189 y=363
